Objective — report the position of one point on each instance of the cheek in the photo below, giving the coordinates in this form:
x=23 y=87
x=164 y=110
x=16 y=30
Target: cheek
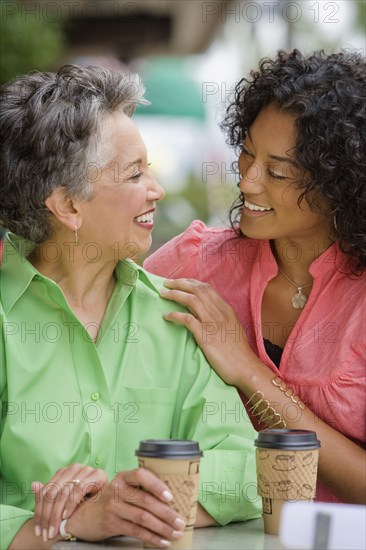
x=127 y=201
x=289 y=197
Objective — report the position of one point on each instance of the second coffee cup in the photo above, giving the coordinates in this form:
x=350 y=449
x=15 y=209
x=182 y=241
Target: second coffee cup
x=287 y=463
x=176 y=462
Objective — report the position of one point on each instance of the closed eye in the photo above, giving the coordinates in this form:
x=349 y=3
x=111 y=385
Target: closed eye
x=137 y=176
x=276 y=176
x=246 y=152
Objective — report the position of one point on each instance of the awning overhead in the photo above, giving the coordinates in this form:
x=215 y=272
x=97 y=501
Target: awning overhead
x=170 y=89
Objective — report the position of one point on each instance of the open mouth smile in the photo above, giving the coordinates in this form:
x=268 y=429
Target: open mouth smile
x=146 y=219
x=256 y=210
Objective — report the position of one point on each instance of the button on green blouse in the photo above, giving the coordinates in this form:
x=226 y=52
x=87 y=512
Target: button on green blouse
x=67 y=399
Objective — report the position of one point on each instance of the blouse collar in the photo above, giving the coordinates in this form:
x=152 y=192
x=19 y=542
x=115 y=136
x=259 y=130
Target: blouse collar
x=332 y=259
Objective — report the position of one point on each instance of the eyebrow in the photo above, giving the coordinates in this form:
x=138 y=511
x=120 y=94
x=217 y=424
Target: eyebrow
x=276 y=157
x=133 y=163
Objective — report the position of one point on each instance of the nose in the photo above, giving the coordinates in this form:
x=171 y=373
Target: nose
x=155 y=191
x=251 y=181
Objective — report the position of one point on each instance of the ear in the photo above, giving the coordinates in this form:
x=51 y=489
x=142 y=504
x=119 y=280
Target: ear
x=65 y=209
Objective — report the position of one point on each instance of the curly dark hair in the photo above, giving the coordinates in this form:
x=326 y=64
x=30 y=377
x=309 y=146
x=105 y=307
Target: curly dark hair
x=327 y=94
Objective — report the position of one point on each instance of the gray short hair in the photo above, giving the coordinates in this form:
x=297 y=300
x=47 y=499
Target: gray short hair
x=49 y=123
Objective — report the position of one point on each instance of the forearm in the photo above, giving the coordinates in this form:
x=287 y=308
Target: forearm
x=26 y=538
x=339 y=458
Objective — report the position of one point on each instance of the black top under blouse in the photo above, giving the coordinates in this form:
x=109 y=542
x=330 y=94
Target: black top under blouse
x=273 y=351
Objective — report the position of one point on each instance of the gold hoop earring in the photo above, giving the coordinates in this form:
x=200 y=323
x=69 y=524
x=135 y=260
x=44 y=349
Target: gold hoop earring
x=76 y=236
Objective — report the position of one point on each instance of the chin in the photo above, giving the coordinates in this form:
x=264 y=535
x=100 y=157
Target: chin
x=249 y=232
x=144 y=247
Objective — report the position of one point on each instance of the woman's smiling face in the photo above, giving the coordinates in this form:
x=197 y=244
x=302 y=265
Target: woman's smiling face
x=269 y=178
x=120 y=213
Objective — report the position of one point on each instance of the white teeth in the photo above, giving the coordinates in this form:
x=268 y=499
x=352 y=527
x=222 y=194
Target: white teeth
x=145 y=218
x=255 y=207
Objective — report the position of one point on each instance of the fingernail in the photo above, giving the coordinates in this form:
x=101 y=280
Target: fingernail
x=51 y=532
x=65 y=514
x=44 y=535
x=180 y=523
x=163 y=292
x=177 y=534
x=37 y=531
x=164 y=543
x=168 y=496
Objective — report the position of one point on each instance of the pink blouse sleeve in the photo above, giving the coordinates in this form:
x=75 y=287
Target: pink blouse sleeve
x=178 y=257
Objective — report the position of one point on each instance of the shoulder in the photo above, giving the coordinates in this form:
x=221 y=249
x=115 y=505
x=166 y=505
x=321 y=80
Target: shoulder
x=148 y=286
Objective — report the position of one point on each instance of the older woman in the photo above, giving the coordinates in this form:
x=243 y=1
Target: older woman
x=293 y=265
x=88 y=365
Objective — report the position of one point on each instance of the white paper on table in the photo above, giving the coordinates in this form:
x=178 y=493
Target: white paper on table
x=323 y=526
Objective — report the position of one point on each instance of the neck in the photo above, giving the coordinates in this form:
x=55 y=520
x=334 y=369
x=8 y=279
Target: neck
x=84 y=282
x=295 y=256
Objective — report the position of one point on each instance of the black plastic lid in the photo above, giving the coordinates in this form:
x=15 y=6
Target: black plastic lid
x=295 y=440
x=168 y=448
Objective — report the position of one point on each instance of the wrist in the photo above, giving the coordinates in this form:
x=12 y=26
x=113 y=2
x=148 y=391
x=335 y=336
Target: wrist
x=84 y=524
x=249 y=370
x=76 y=522
x=65 y=533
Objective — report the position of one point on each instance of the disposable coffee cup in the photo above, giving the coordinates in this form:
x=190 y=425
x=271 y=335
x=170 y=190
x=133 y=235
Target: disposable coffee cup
x=287 y=466
x=177 y=463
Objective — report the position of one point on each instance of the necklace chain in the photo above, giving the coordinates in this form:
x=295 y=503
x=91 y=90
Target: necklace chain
x=299 y=287
x=299 y=299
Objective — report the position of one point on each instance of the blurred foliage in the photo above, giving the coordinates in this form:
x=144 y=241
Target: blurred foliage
x=169 y=220
x=28 y=40
x=195 y=192
x=361 y=15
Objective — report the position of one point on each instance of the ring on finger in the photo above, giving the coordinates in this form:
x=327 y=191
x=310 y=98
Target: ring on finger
x=75 y=481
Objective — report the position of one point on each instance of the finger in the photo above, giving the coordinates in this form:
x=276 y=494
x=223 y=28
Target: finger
x=37 y=487
x=187 y=285
x=191 y=301
x=190 y=322
x=91 y=483
x=72 y=494
x=139 y=532
x=140 y=477
x=138 y=498
x=145 y=510
x=148 y=528
x=202 y=300
x=50 y=494
x=56 y=493
x=204 y=291
x=147 y=491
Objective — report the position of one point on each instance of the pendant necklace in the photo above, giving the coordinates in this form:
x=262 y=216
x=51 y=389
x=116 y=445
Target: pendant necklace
x=299 y=299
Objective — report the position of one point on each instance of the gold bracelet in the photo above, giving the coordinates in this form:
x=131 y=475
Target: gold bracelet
x=281 y=424
x=265 y=412
x=279 y=383
x=255 y=393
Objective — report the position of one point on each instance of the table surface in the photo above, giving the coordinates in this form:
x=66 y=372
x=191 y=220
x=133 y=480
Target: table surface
x=248 y=535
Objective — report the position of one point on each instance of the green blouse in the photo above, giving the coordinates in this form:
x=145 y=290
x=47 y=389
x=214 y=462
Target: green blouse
x=67 y=399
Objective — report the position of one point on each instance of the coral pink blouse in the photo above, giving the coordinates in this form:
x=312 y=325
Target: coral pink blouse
x=323 y=360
